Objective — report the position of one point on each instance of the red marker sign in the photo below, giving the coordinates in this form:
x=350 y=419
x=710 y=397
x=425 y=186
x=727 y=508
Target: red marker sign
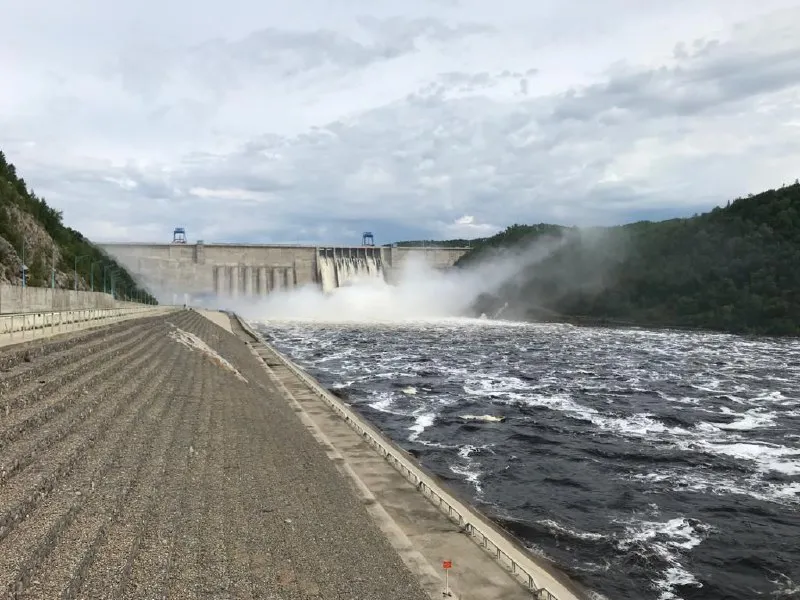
x=447 y=565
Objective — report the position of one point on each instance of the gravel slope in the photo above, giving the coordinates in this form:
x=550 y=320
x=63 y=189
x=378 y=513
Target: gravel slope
x=132 y=466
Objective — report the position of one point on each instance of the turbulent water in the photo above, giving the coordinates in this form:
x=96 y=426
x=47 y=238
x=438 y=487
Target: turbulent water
x=649 y=464
x=344 y=270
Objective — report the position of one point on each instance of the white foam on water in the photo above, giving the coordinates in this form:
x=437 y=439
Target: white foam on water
x=638 y=425
x=766 y=457
x=755 y=418
x=483 y=418
x=555 y=527
x=785 y=587
x=670 y=541
x=468 y=467
x=775 y=397
x=557 y=402
x=341 y=385
x=493 y=385
x=440 y=445
x=384 y=403
x=705 y=481
x=422 y=420
x=673 y=577
x=642 y=425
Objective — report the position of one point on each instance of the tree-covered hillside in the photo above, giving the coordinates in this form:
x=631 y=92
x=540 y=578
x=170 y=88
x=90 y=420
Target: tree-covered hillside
x=29 y=225
x=516 y=238
x=459 y=243
x=734 y=269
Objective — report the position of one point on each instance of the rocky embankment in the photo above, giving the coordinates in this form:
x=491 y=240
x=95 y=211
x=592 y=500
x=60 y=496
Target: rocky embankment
x=155 y=458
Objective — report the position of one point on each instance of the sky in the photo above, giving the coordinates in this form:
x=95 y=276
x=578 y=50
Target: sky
x=266 y=121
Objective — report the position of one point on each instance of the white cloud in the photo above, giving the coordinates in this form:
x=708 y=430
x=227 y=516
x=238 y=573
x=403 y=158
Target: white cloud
x=466 y=227
x=262 y=122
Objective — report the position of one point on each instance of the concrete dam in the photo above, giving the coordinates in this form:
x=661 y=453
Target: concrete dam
x=185 y=273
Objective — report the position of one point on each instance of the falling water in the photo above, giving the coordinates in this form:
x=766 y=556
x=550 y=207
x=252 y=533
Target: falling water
x=344 y=270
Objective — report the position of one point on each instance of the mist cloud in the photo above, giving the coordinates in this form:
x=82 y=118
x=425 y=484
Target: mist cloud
x=420 y=292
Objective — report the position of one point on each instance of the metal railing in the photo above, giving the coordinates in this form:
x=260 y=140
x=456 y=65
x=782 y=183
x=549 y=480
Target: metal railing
x=29 y=325
x=482 y=535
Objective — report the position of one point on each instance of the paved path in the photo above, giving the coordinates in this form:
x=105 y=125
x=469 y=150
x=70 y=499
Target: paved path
x=155 y=458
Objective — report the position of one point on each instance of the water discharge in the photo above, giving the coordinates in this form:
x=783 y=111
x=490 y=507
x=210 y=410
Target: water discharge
x=342 y=271
x=356 y=290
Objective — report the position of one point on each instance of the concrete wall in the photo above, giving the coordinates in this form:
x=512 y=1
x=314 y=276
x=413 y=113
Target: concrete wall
x=183 y=273
x=15 y=298
x=438 y=258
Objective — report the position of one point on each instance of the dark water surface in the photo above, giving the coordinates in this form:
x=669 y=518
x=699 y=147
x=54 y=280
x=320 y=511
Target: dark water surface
x=650 y=464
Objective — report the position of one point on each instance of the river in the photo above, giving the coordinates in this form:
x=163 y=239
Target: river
x=649 y=464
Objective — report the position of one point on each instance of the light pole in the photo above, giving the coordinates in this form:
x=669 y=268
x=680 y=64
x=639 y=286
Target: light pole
x=91 y=269
x=105 y=269
x=77 y=258
x=113 y=283
x=24 y=267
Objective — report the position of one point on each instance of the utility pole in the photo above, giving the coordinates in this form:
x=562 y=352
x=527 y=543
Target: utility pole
x=112 y=284
x=53 y=275
x=24 y=267
x=97 y=262
x=77 y=258
x=105 y=268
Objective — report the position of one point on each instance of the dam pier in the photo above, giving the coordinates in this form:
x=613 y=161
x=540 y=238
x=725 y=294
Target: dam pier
x=176 y=454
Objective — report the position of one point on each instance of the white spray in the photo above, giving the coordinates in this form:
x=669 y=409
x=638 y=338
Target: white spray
x=419 y=293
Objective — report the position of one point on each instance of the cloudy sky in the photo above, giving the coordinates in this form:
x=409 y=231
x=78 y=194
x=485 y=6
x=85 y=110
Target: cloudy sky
x=269 y=121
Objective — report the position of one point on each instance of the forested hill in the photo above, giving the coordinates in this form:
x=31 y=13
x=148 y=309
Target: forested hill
x=457 y=243
x=734 y=269
x=27 y=220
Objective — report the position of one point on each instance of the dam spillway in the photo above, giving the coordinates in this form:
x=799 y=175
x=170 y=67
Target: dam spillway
x=336 y=267
x=185 y=273
x=232 y=281
x=341 y=267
